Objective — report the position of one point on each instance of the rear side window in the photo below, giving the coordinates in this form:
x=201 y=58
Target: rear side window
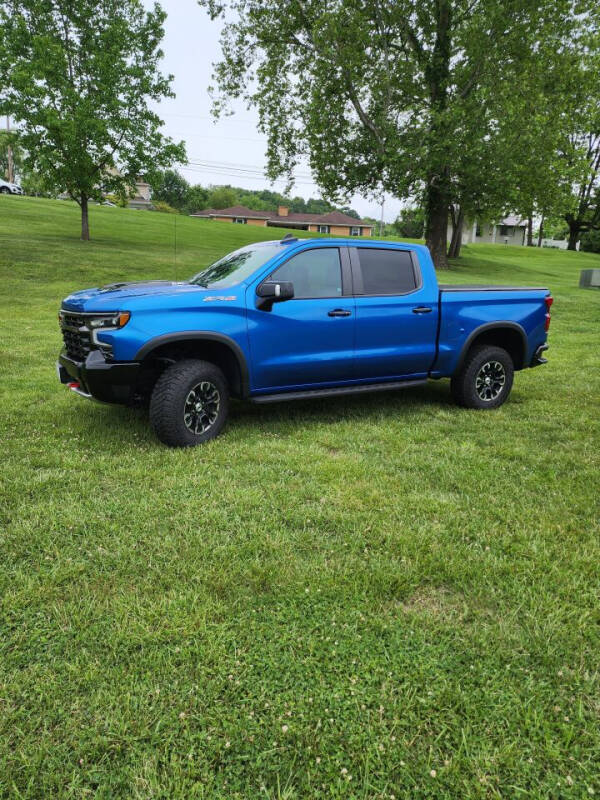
x=314 y=273
x=386 y=271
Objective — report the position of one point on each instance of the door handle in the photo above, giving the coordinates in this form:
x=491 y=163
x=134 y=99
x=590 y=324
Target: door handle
x=422 y=310
x=339 y=312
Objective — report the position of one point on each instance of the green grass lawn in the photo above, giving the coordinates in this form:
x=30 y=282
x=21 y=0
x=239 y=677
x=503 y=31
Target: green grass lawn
x=354 y=598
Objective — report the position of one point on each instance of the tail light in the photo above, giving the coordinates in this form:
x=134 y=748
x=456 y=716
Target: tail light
x=548 y=300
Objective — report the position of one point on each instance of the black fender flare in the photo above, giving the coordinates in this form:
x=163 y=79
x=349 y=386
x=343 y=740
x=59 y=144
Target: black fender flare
x=206 y=336
x=489 y=326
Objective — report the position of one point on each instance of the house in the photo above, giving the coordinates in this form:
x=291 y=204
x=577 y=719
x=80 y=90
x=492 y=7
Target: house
x=335 y=223
x=142 y=197
x=510 y=230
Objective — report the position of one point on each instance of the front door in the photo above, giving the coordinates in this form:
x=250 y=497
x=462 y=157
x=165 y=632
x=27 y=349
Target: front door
x=308 y=340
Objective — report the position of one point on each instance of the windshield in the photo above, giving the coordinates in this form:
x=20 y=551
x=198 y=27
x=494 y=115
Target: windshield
x=235 y=267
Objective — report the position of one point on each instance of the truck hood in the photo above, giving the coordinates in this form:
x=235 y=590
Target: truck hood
x=116 y=296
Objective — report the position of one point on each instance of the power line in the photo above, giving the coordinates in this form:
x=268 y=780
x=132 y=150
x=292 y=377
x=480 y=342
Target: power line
x=256 y=169
x=246 y=171
x=187 y=135
x=246 y=176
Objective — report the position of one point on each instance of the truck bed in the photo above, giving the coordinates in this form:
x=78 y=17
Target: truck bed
x=487 y=287
x=466 y=310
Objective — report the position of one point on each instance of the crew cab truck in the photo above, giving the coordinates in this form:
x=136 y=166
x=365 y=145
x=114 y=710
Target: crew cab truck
x=296 y=318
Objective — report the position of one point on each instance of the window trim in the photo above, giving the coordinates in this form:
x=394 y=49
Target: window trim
x=355 y=228
x=239 y=220
x=345 y=271
x=357 y=279
x=322 y=226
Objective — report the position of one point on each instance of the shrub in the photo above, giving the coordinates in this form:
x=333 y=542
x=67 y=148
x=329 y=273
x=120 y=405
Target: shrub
x=164 y=208
x=590 y=242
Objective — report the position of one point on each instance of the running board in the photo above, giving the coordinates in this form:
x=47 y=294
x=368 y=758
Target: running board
x=363 y=388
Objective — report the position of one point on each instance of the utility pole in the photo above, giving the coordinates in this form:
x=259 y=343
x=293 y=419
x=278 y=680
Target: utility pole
x=9 y=154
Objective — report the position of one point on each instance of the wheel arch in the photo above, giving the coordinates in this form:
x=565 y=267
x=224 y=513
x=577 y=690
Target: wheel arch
x=217 y=348
x=509 y=335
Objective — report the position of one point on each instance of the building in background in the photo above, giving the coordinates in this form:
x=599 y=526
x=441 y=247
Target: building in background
x=511 y=230
x=142 y=197
x=335 y=222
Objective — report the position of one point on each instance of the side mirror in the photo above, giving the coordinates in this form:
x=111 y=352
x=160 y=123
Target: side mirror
x=270 y=292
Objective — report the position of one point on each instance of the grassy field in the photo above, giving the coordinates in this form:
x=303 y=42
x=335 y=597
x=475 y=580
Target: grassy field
x=354 y=598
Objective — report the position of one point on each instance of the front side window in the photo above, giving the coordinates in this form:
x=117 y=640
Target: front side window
x=314 y=273
x=235 y=267
x=386 y=271
x=355 y=231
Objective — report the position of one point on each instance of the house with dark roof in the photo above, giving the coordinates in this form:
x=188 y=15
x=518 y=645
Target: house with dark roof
x=335 y=222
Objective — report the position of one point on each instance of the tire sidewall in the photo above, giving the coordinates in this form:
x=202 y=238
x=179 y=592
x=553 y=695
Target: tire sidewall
x=166 y=408
x=480 y=357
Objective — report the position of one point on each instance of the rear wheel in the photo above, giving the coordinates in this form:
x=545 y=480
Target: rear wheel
x=189 y=404
x=485 y=379
x=4 y=190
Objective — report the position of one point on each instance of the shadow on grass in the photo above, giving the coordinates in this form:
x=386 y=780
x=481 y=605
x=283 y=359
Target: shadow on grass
x=365 y=407
x=125 y=426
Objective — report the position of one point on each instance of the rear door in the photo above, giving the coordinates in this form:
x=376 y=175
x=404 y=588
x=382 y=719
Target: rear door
x=309 y=340
x=396 y=314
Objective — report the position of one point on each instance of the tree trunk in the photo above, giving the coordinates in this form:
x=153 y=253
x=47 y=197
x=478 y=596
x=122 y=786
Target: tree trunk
x=541 y=232
x=457 y=229
x=573 y=237
x=436 y=227
x=85 y=226
x=530 y=231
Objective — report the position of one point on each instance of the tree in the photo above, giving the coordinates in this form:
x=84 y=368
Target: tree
x=590 y=241
x=169 y=187
x=222 y=197
x=581 y=150
x=584 y=214
x=376 y=93
x=78 y=76
x=544 y=163
x=10 y=153
x=410 y=223
x=196 y=198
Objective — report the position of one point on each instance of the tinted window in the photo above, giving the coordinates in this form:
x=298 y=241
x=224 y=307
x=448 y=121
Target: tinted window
x=314 y=273
x=386 y=271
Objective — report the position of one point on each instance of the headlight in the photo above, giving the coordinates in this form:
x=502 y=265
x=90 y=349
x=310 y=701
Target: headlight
x=113 y=321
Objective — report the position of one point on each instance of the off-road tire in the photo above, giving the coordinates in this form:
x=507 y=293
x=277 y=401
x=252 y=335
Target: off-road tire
x=172 y=412
x=485 y=379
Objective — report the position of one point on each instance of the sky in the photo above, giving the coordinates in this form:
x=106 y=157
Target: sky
x=231 y=151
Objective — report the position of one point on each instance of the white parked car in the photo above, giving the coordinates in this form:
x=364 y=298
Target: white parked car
x=9 y=188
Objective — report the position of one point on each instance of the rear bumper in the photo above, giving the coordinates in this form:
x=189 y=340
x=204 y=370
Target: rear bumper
x=106 y=381
x=538 y=357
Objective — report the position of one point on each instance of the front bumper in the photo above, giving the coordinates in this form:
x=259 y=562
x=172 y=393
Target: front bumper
x=97 y=378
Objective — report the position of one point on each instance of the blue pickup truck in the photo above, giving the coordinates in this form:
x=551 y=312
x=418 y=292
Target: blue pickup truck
x=296 y=318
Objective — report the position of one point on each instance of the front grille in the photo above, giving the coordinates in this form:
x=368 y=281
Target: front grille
x=76 y=336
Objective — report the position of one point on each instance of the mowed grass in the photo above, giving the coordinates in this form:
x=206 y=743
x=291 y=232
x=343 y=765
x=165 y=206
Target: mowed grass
x=353 y=598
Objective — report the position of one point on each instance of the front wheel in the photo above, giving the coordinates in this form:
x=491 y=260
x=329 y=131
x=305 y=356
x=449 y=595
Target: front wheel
x=189 y=403
x=4 y=190
x=485 y=379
